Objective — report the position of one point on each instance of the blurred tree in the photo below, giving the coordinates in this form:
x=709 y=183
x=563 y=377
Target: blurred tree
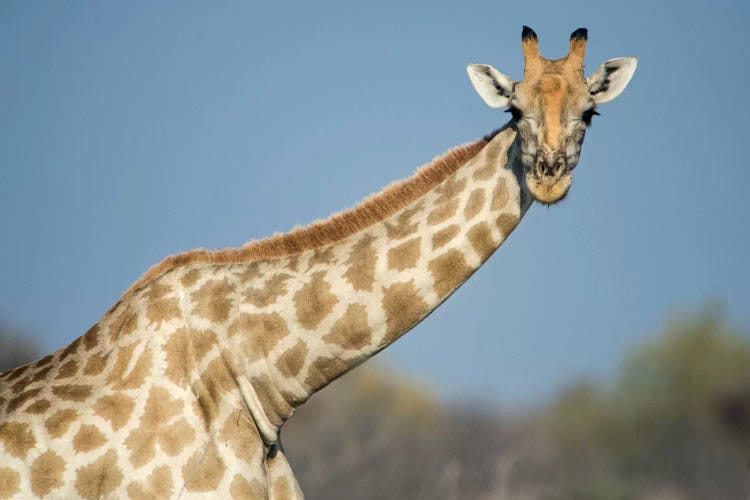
x=371 y=436
x=733 y=417
x=656 y=428
x=665 y=428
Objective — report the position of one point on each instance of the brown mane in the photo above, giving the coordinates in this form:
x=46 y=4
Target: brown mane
x=373 y=209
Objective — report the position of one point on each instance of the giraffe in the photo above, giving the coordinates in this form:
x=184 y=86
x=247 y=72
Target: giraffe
x=183 y=385
x=552 y=108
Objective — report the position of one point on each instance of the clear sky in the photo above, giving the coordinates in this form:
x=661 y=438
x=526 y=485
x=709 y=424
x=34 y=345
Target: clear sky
x=132 y=130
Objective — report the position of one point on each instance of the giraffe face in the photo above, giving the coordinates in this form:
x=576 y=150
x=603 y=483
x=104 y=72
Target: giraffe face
x=552 y=108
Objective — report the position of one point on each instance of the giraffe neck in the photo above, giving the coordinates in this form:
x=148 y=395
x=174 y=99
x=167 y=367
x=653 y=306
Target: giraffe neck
x=161 y=387
x=309 y=317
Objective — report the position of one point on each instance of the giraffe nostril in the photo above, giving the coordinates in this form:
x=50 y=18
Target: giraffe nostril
x=549 y=170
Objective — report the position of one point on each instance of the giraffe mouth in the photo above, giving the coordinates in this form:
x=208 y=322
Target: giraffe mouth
x=548 y=188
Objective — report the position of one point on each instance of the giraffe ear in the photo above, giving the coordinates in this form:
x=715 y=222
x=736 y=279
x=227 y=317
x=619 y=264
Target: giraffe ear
x=611 y=78
x=494 y=87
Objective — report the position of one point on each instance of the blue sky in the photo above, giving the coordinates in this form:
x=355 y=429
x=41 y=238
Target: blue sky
x=134 y=130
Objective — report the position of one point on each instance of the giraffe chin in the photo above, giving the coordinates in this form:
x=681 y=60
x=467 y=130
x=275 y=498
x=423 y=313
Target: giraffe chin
x=549 y=190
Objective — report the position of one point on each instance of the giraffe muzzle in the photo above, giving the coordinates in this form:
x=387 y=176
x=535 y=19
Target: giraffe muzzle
x=549 y=179
x=548 y=168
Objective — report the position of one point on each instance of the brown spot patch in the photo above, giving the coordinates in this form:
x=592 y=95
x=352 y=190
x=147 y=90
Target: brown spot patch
x=137 y=375
x=41 y=374
x=361 y=262
x=21 y=385
x=10 y=482
x=241 y=435
x=100 y=478
x=88 y=438
x=351 y=331
x=57 y=424
x=16 y=372
x=292 y=263
x=322 y=255
x=48 y=358
x=22 y=398
x=17 y=438
x=500 y=196
x=91 y=338
x=485 y=172
x=506 y=223
x=176 y=436
x=47 y=473
x=401 y=227
x=162 y=310
x=216 y=380
x=158 y=484
x=124 y=324
x=281 y=489
x=448 y=271
x=314 y=301
x=96 y=363
x=449 y=189
x=248 y=271
x=72 y=392
x=157 y=290
x=292 y=360
x=324 y=370
x=38 y=407
x=204 y=470
x=442 y=237
x=261 y=332
x=274 y=405
x=474 y=204
x=120 y=367
x=70 y=349
x=274 y=288
x=190 y=278
x=442 y=212
x=116 y=409
x=241 y=489
x=184 y=350
x=67 y=370
x=156 y=426
x=481 y=240
x=403 y=308
x=404 y=256
x=212 y=300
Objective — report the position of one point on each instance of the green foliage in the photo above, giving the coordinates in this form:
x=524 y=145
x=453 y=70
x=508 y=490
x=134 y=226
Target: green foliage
x=656 y=431
x=657 y=427
x=680 y=374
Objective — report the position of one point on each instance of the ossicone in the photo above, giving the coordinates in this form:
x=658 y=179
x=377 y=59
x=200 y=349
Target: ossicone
x=530 y=47
x=528 y=33
x=580 y=34
x=578 y=47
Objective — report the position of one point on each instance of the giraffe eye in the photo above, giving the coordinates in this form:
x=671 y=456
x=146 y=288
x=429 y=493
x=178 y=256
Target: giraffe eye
x=516 y=113
x=588 y=115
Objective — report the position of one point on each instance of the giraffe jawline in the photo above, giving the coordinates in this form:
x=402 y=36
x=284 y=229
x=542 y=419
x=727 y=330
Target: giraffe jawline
x=548 y=189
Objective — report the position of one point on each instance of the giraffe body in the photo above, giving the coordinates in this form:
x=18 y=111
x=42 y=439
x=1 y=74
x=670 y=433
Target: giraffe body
x=181 y=388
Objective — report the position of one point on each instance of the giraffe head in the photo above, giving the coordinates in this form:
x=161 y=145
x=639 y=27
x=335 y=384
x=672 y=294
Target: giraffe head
x=551 y=108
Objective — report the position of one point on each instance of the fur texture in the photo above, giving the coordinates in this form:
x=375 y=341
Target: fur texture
x=338 y=226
